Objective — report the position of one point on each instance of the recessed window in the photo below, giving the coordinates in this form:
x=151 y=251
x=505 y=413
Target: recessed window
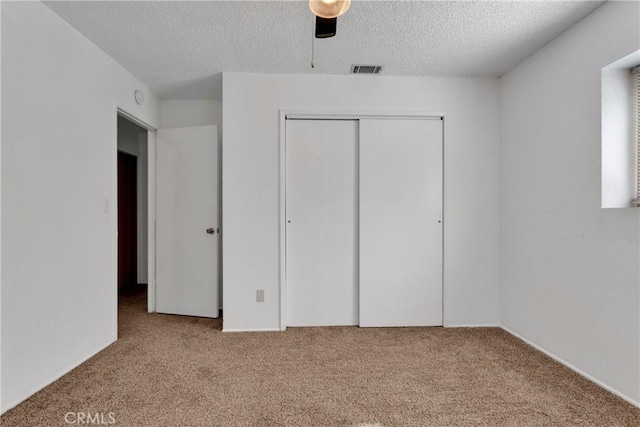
x=620 y=133
x=635 y=108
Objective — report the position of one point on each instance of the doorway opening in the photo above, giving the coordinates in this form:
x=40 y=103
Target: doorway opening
x=132 y=214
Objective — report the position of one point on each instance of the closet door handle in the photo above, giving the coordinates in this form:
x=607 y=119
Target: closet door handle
x=211 y=231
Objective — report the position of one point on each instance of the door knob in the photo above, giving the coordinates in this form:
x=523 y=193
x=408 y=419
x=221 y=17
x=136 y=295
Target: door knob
x=211 y=231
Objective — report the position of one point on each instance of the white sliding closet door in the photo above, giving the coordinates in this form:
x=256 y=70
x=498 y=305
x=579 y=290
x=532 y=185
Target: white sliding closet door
x=400 y=222
x=322 y=222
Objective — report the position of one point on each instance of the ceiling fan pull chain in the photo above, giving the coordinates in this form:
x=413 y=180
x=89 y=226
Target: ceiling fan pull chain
x=313 y=42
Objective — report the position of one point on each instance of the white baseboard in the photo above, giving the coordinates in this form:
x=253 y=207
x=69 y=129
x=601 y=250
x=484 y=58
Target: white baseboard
x=55 y=378
x=487 y=325
x=251 y=330
x=573 y=368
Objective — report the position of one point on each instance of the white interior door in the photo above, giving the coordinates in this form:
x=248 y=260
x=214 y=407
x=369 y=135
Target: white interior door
x=400 y=222
x=322 y=222
x=187 y=221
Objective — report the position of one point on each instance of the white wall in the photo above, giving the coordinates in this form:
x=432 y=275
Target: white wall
x=570 y=270
x=184 y=113
x=251 y=182
x=143 y=208
x=1 y=398
x=132 y=139
x=59 y=98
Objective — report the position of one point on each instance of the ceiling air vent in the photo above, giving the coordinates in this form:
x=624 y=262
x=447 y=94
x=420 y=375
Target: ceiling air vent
x=366 y=69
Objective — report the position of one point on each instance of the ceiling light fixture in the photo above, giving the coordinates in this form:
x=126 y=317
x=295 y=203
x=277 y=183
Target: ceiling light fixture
x=327 y=12
x=329 y=9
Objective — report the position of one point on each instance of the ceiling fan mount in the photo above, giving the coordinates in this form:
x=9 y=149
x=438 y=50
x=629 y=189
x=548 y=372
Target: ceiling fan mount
x=327 y=13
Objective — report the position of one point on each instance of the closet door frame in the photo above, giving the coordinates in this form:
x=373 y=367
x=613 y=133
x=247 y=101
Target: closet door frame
x=322 y=114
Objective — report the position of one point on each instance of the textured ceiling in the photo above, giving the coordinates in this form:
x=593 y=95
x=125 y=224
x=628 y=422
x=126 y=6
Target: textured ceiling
x=180 y=48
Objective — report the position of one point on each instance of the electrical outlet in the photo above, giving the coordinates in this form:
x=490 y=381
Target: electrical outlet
x=260 y=295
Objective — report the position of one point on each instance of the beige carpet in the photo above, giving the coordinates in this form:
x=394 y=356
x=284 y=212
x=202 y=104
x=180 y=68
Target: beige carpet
x=181 y=371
